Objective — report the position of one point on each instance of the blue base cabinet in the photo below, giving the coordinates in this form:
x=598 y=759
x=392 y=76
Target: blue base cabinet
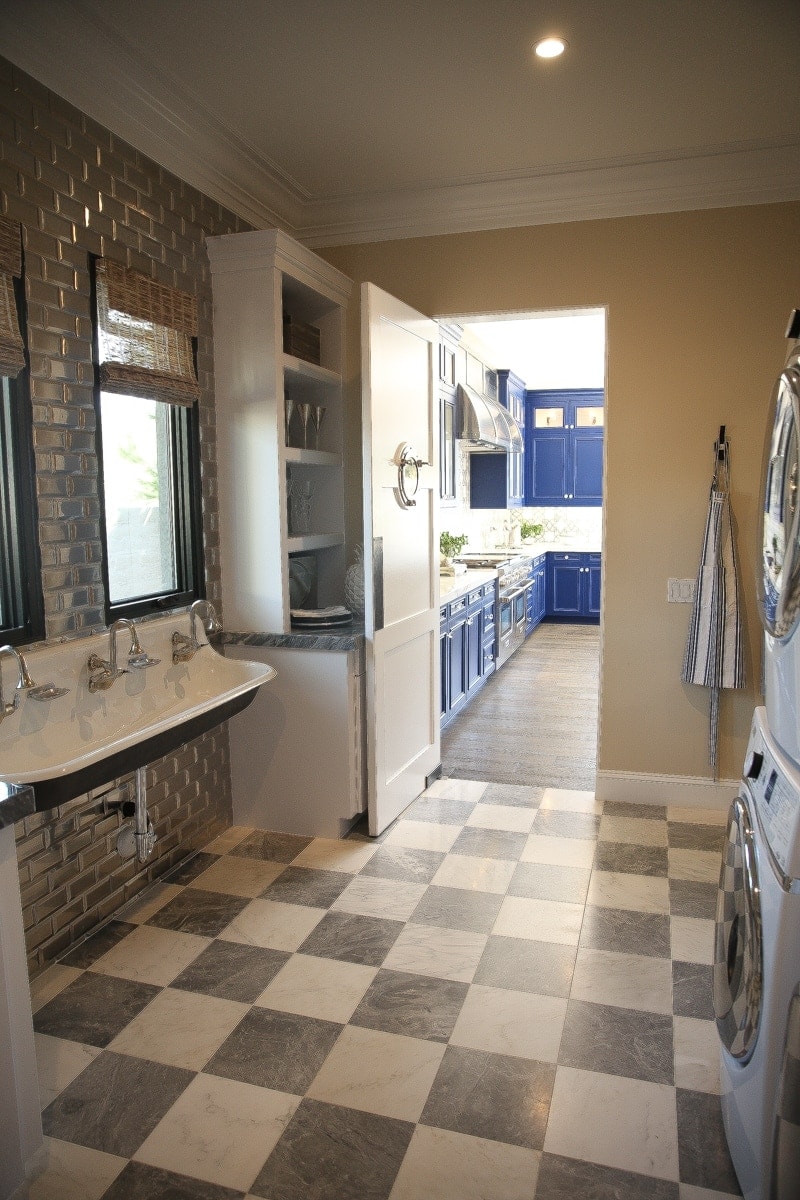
x=573 y=586
x=467 y=641
x=537 y=594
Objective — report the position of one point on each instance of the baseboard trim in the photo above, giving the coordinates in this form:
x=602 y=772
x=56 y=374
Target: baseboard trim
x=684 y=791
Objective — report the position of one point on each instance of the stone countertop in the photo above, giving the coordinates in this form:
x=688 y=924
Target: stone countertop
x=453 y=586
x=16 y=801
x=342 y=638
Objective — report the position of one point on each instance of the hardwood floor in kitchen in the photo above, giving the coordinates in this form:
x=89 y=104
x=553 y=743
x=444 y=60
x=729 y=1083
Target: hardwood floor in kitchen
x=534 y=722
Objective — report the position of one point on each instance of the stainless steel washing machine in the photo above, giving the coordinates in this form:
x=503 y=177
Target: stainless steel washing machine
x=757 y=966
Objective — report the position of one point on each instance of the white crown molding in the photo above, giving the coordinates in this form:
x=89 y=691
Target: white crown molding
x=683 y=791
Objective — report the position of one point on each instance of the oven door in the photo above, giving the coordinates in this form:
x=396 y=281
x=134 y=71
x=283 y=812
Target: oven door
x=506 y=627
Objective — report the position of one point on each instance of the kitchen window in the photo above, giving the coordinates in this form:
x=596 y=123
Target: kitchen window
x=21 y=607
x=148 y=442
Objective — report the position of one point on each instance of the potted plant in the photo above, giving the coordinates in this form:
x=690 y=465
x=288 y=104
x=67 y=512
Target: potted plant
x=451 y=544
x=528 y=529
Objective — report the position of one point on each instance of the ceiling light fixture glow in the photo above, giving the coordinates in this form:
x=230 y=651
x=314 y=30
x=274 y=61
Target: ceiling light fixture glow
x=550 y=47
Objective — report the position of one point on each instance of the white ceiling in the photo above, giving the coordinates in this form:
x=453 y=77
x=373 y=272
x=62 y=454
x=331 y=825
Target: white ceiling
x=354 y=120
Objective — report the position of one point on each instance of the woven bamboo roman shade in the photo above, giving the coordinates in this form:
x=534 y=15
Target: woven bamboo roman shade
x=12 y=349
x=146 y=332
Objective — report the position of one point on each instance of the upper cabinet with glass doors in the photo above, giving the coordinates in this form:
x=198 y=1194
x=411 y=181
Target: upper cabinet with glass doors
x=564 y=448
x=279 y=325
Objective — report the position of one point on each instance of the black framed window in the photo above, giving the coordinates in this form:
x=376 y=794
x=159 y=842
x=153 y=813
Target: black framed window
x=148 y=443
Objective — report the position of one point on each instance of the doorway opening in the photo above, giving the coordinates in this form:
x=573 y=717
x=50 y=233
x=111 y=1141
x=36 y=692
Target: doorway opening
x=535 y=720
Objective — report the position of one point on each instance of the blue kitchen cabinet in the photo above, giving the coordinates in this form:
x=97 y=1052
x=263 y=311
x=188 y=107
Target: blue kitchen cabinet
x=537 y=594
x=573 y=586
x=467 y=647
x=564 y=448
x=497 y=480
x=447 y=418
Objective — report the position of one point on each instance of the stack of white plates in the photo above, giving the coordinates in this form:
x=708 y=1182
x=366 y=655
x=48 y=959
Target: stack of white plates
x=320 y=618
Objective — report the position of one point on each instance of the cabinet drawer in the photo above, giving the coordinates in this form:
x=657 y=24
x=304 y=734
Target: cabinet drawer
x=475 y=597
x=458 y=606
x=567 y=558
x=489 y=590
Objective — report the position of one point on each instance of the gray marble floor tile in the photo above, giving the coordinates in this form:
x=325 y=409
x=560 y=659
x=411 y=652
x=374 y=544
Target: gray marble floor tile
x=489 y=843
x=692 y=898
x=553 y=822
x=441 y=809
x=514 y=795
x=403 y=863
x=569 y=1178
x=627 y=931
x=231 y=971
x=197 y=911
x=702 y=1147
x=541 y=881
x=623 y=808
x=190 y=868
x=353 y=938
x=331 y=1153
x=415 y=1005
x=304 y=885
x=103 y=1107
x=270 y=847
x=493 y=1096
x=138 y=1181
x=523 y=965
x=277 y=1050
x=618 y=1041
x=686 y=835
x=93 y=1008
x=631 y=858
x=89 y=951
x=457 y=908
x=691 y=990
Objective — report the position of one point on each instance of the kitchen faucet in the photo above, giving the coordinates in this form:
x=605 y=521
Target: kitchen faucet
x=7 y=709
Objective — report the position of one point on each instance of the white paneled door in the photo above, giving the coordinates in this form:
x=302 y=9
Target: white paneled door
x=401 y=554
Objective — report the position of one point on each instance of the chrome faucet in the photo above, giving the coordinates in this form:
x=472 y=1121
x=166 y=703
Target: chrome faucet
x=6 y=709
x=105 y=670
x=185 y=648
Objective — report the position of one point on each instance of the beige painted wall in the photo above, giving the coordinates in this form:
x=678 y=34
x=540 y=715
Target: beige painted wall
x=697 y=307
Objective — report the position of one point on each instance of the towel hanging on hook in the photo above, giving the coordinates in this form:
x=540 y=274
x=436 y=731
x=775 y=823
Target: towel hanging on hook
x=714 y=649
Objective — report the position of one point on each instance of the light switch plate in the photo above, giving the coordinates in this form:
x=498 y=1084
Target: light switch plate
x=680 y=591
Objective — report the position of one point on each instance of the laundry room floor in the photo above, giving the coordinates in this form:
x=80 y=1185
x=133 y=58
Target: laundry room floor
x=505 y=997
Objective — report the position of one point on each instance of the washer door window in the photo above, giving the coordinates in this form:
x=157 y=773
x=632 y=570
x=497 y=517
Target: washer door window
x=738 y=967
x=779 y=577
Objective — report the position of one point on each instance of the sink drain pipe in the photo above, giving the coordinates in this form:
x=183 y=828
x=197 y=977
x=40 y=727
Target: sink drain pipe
x=140 y=838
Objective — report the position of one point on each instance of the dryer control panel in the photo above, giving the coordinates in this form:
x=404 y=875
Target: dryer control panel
x=774 y=783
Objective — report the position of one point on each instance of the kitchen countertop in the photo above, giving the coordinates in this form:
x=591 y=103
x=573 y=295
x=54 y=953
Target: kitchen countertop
x=453 y=586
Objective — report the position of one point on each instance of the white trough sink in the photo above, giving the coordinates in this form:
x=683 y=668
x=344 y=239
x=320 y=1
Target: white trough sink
x=66 y=745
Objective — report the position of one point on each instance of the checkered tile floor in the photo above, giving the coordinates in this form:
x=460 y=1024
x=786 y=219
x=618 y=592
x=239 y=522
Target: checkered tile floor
x=506 y=997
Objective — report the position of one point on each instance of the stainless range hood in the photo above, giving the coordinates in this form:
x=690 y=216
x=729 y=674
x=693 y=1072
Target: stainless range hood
x=485 y=423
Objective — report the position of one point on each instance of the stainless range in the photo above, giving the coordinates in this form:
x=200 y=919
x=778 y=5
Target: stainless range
x=514 y=580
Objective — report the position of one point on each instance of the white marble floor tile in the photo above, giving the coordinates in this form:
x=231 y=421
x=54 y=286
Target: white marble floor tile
x=456 y=1166
x=151 y=955
x=394 y=900
x=143 y=907
x=318 y=987
x=181 y=1029
x=475 y=874
x=228 y=839
x=328 y=855
x=624 y=1123
x=692 y=940
x=219 y=1130
x=59 y=1062
x=457 y=789
x=423 y=835
x=52 y=981
x=570 y=800
x=502 y=816
x=558 y=851
x=700 y=865
x=443 y=953
x=377 y=1072
x=245 y=877
x=639 y=893
x=502 y=1021
x=273 y=925
x=696 y=1055
x=636 y=831
x=697 y=816
x=66 y=1171
x=623 y=980
x=539 y=920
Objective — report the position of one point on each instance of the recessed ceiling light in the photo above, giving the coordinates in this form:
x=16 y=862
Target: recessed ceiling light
x=550 y=47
